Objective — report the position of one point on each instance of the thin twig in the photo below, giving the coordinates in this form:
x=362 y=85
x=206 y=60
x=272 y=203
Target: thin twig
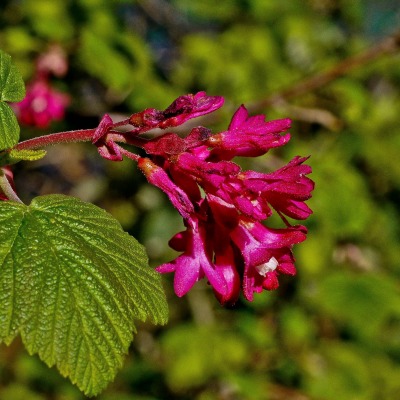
x=165 y=14
x=389 y=45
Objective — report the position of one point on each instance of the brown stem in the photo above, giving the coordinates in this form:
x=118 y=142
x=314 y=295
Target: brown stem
x=389 y=45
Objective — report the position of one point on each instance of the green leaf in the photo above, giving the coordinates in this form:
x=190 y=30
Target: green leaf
x=71 y=284
x=12 y=88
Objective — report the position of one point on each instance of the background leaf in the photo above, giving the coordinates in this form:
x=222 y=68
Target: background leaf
x=9 y=128
x=72 y=282
x=12 y=86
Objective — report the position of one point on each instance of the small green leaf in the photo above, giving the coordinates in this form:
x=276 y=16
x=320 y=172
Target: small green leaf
x=13 y=156
x=71 y=284
x=12 y=88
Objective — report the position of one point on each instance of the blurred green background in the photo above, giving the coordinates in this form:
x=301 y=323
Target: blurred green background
x=332 y=332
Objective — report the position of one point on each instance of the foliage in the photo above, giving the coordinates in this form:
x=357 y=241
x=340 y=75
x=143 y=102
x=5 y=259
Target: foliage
x=72 y=284
x=333 y=331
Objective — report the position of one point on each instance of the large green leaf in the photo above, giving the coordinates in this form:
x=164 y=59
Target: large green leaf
x=12 y=88
x=71 y=284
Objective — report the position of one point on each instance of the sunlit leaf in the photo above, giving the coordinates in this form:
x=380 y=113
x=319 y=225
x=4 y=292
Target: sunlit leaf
x=71 y=284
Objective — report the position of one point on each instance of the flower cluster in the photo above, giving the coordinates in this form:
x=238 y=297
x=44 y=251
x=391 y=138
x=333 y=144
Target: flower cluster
x=222 y=206
x=42 y=103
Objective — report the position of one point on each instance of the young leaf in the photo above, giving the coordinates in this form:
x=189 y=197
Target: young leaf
x=12 y=88
x=71 y=284
x=13 y=156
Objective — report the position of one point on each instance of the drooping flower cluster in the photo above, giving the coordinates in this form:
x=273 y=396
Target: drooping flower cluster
x=223 y=207
x=42 y=103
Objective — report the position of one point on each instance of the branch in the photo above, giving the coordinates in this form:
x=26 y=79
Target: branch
x=165 y=14
x=389 y=45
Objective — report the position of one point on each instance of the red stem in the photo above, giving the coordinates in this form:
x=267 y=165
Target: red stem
x=81 y=135
x=128 y=154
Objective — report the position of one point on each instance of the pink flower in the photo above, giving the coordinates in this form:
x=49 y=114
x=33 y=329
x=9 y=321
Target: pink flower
x=41 y=105
x=249 y=136
x=266 y=253
x=255 y=194
x=286 y=189
x=195 y=262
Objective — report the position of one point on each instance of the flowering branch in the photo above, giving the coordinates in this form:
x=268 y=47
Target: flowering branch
x=223 y=207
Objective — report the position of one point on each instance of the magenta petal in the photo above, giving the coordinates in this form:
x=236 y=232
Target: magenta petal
x=226 y=264
x=187 y=273
x=104 y=126
x=216 y=278
x=271 y=281
x=179 y=241
x=287 y=268
x=166 y=268
x=238 y=118
x=158 y=177
x=110 y=151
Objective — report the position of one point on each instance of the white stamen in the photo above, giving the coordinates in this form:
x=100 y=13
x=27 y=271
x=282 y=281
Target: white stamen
x=269 y=266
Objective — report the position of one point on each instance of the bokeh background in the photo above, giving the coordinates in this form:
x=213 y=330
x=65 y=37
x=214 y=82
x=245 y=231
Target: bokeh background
x=333 y=331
